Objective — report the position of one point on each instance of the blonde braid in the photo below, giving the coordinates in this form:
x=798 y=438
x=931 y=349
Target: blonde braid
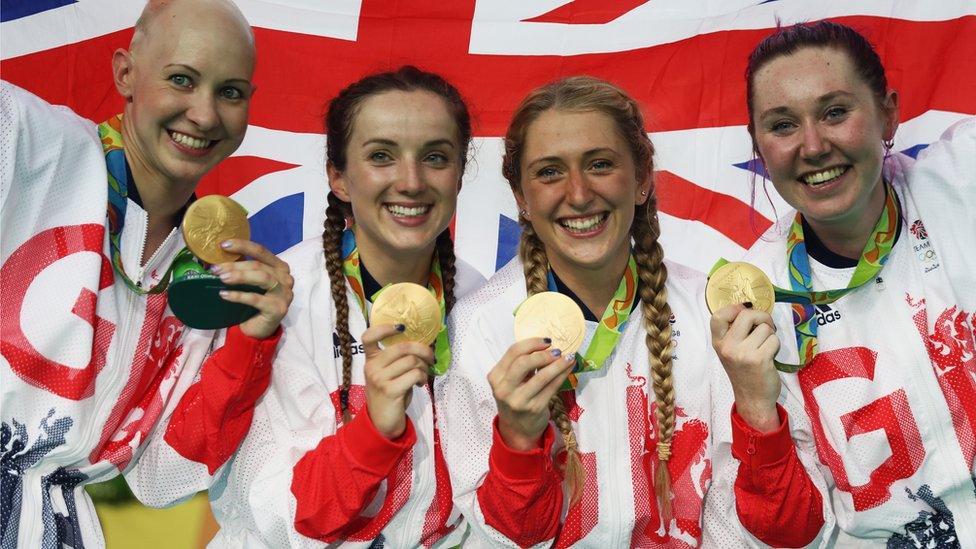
x=657 y=322
x=535 y=265
x=335 y=223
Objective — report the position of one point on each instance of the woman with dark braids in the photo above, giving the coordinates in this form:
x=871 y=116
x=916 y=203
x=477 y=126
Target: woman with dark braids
x=344 y=446
x=619 y=455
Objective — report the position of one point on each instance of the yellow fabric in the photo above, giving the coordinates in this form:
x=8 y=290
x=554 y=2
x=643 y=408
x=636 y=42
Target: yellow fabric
x=186 y=526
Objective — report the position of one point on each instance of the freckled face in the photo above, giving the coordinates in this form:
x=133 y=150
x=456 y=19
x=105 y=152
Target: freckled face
x=579 y=188
x=819 y=130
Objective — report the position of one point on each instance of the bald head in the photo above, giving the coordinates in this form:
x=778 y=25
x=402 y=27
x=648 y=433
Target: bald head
x=158 y=15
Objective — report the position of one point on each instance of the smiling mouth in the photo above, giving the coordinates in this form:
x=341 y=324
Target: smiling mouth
x=398 y=210
x=190 y=142
x=584 y=224
x=822 y=177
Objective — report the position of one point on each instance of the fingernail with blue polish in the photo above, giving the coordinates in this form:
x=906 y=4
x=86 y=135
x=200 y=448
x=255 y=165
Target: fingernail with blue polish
x=547 y=340
x=555 y=352
x=400 y=328
x=747 y=304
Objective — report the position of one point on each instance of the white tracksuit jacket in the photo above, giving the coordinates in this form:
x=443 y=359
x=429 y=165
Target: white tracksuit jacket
x=612 y=417
x=90 y=372
x=255 y=501
x=884 y=419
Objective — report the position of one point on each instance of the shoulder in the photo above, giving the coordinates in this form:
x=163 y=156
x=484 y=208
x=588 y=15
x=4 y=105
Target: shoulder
x=305 y=259
x=503 y=291
x=24 y=111
x=466 y=278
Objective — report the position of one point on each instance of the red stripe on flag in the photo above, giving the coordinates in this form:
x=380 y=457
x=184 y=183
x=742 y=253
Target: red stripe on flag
x=236 y=172
x=692 y=83
x=681 y=198
x=588 y=12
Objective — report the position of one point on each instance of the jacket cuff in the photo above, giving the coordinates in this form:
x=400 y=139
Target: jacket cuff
x=757 y=448
x=370 y=449
x=244 y=349
x=517 y=465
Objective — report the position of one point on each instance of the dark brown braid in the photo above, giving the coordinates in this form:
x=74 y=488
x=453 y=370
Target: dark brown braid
x=335 y=223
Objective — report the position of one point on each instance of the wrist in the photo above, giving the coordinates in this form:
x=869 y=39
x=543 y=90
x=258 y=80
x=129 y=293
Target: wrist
x=517 y=440
x=760 y=415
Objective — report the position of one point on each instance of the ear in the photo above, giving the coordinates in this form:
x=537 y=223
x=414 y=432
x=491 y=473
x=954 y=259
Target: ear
x=521 y=204
x=337 y=182
x=889 y=108
x=122 y=72
x=644 y=189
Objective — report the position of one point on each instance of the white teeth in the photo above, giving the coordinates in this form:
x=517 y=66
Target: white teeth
x=407 y=211
x=188 y=141
x=582 y=223
x=824 y=176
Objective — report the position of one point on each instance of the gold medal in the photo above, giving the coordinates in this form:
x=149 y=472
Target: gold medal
x=411 y=305
x=739 y=282
x=552 y=315
x=211 y=220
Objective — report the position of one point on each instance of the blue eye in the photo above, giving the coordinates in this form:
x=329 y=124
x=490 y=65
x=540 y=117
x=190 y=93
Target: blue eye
x=380 y=156
x=601 y=165
x=548 y=173
x=781 y=126
x=231 y=93
x=181 y=80
x=437 y=158
x=834 y=113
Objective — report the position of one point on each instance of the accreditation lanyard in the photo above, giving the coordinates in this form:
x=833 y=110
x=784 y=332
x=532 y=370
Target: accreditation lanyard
x=608 y=330
x=435 y=284
x=801 y=295
x=110 y=133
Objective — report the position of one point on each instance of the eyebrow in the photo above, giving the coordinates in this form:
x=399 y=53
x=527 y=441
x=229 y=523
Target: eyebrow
x=195 y=72
x=825 y=98
x=391 y=143
x=586 y=154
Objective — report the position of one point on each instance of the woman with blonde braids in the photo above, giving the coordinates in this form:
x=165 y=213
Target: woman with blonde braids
x=633 y=436
x=344 y=446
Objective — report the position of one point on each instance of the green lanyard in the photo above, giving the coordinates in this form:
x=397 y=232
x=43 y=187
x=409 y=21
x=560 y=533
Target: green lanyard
x=801 y=295
x=110 y=133
x=435 y=284
x=608 y=330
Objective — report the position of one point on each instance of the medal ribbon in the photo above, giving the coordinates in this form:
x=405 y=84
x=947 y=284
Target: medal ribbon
x=435 y=284
x=801 y=294
x=110 y=133
x=608 y=330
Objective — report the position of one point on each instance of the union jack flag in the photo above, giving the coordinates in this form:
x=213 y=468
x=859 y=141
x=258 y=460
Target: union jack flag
x=683 y=60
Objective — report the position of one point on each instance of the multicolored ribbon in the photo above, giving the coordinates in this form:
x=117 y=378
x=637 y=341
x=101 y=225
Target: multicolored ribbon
x=607 y=333
x=110 y=133
x=351 y=267
x=803 y=297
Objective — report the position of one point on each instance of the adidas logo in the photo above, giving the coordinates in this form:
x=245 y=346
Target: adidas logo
x=357 y=347
x=826 y=315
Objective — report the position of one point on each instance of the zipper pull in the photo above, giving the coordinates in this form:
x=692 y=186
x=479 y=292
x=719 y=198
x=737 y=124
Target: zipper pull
x=879 y=283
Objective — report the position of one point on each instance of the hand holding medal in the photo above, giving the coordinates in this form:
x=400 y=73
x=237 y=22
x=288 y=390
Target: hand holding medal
x=254 y=293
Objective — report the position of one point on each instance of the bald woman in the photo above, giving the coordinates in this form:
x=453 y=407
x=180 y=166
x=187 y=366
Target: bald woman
x=97 y=377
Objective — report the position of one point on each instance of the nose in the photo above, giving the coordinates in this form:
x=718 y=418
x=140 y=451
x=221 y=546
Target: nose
x=202 y=111
x=814 y=146
x=411 y=180
x=579 y=194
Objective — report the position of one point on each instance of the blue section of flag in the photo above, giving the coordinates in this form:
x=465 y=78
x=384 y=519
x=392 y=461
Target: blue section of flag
x=278 y=226
x=15 y=9
x=913 y=151
x=753 y=165
x=508 y=240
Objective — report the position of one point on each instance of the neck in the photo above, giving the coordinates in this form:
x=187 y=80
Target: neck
x=390 y=268
x=847 y=236
x=162 y=199
x=594 y=287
